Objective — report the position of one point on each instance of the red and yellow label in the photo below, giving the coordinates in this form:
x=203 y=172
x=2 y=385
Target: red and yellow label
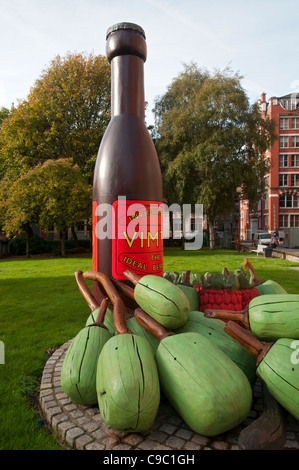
x=136 y=237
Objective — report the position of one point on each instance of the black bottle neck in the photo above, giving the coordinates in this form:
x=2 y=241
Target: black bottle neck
x=127 y=86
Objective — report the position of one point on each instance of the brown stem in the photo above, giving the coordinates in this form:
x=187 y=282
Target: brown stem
x=101 y=315
x=151 y=325
x=250 y=269
x=229 y=315
x=90 y=299
x=119 y=309
x=186 y=281
x=124 y=289
x=248 y=340
x=133 y=277
x=226 y=272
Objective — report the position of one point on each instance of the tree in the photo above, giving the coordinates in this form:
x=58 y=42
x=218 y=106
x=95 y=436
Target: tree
x=64 y=116
x=210 y=141
x=54 y=193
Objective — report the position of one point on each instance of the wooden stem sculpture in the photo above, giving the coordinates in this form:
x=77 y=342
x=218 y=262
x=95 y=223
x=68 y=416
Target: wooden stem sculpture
x=119 y=320
x=207 y=389
x=268 y=431
x=127 y=380
x=277 y=366
x=93 y=304
x=264 y=287
x=78 y=379
x=269 y=317
x=161 y=299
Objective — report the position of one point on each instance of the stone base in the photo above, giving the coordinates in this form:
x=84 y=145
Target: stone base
x=82 y=427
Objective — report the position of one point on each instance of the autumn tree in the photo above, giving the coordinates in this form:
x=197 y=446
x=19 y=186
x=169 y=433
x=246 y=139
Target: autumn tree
x=52 y=193
x=64 y=116
x=210 y=141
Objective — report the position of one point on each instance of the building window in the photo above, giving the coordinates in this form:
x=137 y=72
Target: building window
x=288 y=200
x=283 y=123
x=283 y=221
x=295 y=180
x=294 y=220
x=295 y=123
x=283 y=141
x=283 y=161
x=295 y=141
x=80 y=226
x=283 y=179
x=294 y=160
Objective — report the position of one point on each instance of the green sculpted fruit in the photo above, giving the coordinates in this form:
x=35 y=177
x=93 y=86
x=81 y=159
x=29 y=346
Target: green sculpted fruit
x=161 y=299
x=270 y=287
x=277 y=365
x=281 y=374
x=273 y=316
x=128 y=384
x=191 y=294
x=127 y=380
x=268 y=316
x=207 y=389
x=78 y=373
x=213 y=329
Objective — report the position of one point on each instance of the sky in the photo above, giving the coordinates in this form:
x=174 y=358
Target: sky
x=257 y=39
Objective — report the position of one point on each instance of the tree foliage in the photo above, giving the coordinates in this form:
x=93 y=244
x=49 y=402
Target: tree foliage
x=52 y=193
x=210 y=141
x=64 y=116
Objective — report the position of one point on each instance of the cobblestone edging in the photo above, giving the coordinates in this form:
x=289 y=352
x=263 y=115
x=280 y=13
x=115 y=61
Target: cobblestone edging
x=82 y=428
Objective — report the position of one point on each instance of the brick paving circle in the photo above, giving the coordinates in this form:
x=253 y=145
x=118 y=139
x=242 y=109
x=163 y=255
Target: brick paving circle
x=82 y=427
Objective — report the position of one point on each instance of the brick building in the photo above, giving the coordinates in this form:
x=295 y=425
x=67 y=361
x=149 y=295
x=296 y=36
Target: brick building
x=280 y=207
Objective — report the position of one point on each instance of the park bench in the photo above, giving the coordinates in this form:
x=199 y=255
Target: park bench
x=260 y=250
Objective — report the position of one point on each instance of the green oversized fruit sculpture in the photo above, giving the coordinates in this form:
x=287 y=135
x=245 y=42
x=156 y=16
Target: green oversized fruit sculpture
x=160 y=299
x=214 y=330
x=78 y=373
x=277 y=365
x=269 y=316
x=127 y=379
x=207 y=389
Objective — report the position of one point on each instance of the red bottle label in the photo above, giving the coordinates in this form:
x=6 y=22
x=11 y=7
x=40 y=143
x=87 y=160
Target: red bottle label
x=136 y=236
x=138 y=242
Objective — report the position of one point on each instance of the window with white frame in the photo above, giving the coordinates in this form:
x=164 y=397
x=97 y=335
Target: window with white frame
x=295 y=160
x=295 y=179
x=295 y=141
x=283 y=161
x=295 y=123
x=294 y=220
x=288 y=200
x=283 y=123
x=283 y=141
x=283 y=179
x=283 y=220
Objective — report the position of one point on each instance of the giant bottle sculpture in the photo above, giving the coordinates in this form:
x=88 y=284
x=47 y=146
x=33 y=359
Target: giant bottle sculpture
x=127 y=188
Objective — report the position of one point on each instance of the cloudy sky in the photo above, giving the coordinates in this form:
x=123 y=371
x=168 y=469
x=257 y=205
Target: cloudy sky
x=258 y=39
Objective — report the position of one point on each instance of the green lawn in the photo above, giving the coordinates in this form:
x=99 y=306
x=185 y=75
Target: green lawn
x=42 y=308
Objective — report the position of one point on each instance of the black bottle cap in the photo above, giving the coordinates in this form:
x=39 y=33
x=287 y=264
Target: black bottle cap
x=125 y=39
x=119 y=26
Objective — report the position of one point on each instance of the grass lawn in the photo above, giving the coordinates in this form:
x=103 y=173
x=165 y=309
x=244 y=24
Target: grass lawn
x=42 y=308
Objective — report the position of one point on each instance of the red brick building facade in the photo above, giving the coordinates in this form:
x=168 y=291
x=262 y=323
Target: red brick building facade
x=280 y=207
